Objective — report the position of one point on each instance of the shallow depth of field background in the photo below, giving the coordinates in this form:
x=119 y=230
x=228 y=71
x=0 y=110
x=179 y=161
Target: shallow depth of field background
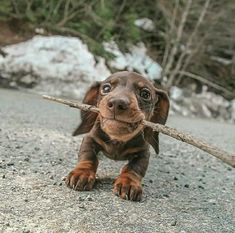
x=186 y=47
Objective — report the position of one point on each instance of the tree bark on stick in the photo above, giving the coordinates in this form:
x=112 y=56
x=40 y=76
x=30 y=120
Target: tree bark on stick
x=184 y=137
x=199 y=143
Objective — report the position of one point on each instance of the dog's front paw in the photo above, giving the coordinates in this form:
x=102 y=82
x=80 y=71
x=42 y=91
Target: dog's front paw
x=81 y=179
x=128 y=186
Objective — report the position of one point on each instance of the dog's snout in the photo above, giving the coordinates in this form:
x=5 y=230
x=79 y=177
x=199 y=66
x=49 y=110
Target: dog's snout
x=118 y=105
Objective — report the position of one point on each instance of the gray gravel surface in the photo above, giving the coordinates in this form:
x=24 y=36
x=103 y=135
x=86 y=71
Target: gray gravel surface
x=185 y=190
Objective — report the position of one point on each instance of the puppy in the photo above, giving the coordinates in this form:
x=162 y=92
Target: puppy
x=124 y=99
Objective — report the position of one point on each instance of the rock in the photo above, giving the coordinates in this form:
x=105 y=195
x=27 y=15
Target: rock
x=145 y=24
x=2 y=53
x=40 y=31
x=233 y=110
x=176 y=93
x=205 y=111
x=205 y=104
x=28 y=80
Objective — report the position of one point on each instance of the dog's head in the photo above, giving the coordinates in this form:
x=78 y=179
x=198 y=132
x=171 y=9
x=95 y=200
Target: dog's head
x=124 y=99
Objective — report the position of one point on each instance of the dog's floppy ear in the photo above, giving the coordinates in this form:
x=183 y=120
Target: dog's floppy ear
x=88 y=118
x=160 y=115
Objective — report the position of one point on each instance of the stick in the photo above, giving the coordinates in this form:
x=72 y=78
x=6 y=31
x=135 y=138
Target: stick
x=184 y=137
x=209 y=83
x=84 y=107
x=174 y=49
x=199 y=143
x=169 y=36
x=182 y=56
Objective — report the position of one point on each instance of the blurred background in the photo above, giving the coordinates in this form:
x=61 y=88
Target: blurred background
x=186 y=47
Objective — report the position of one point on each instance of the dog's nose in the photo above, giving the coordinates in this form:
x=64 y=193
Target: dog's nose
x=118 y=105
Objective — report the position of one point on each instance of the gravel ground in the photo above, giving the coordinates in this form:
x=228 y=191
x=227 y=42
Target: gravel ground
x=185 y=190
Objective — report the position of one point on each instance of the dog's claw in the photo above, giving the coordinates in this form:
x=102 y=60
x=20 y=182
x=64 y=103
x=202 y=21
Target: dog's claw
x=128 y=188
x=80 y=179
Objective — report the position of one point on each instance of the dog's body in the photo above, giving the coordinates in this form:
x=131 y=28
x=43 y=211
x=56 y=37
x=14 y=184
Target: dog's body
x=124 y=99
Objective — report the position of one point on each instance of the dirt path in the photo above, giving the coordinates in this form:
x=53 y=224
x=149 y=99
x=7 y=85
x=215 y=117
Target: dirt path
x=185 y=190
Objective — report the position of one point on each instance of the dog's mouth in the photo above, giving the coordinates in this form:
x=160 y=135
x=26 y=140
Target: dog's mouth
x=119 y=123
x=120 y=130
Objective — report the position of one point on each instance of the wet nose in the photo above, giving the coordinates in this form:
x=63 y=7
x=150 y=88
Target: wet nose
x=118 y=105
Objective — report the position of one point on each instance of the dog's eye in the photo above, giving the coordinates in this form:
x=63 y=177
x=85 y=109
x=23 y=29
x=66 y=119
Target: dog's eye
x=145 y=94
x=106 y=88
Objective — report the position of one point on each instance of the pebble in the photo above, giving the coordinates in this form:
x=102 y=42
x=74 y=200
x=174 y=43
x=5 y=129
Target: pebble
x=173 y=223
x=89 y=198
x=165 y=195
x=3 y=166
x=26 y=231
x=10 y=164
x=82 y=207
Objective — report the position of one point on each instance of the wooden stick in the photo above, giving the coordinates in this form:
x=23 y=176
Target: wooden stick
x=84 y=107
x=199 y=143
x=184 y=137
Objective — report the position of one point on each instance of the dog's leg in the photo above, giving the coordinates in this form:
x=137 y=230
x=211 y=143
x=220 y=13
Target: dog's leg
x=82 y=177
x=128 y=184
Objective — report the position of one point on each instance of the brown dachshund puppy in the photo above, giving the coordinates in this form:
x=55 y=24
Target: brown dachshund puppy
x=124 y=99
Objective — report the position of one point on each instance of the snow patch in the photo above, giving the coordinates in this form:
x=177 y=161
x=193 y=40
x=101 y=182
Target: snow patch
x=136 y=60
x=57 y=64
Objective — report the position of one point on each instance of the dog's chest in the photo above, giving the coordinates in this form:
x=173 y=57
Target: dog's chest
x=118 y=151
x=114 y=150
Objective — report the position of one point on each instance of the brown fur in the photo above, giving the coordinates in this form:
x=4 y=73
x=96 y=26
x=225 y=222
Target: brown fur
x=124 y=99
x=82 y=177
x=128 y=186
